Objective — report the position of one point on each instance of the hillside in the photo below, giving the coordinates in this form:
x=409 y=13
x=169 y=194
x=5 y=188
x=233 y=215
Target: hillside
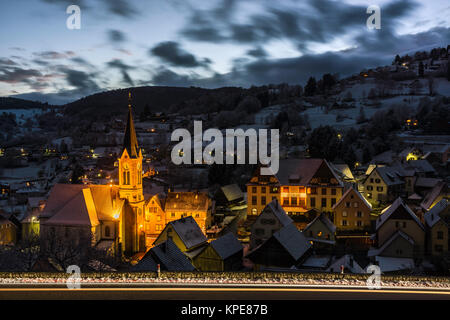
x=16 y=103
x=156 y=98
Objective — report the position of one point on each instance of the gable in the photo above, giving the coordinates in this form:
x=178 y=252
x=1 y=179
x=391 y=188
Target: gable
x=324 y=175
x=401 y=214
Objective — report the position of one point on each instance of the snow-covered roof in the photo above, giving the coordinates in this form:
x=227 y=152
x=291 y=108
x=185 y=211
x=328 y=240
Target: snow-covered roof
x=431 y=196
x=324 y=219
x=293 y=241
x=232 y=192
x=389 y=264
x=168 y=255
x=278 y=211
x=349 y=263
x=356 y=192
x=434 y=215
x=316 y=262
x=188 y=231
x=398 y=233
x=398 y=204
x=226 y=245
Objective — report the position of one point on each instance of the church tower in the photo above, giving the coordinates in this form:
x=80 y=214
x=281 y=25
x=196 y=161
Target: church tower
x=130 y=188
x=130 y=163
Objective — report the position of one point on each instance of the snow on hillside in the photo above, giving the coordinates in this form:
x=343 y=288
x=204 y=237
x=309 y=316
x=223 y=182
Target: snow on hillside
x=23 y=114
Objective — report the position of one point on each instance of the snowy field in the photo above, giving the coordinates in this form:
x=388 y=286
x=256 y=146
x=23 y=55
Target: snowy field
x=23 y=114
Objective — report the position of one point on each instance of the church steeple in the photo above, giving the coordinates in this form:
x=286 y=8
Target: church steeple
x=130 y=142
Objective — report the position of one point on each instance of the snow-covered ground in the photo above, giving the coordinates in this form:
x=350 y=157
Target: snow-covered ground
x=136 y=279
x=23 y=114
x=30 y=172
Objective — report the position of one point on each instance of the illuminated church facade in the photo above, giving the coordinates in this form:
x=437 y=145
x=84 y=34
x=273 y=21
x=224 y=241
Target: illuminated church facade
x=120 y=218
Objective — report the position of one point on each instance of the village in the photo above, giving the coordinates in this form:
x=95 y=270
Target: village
x=363 y=180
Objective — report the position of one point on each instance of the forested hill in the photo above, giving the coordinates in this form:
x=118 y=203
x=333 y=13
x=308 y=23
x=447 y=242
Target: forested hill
x=16 y=103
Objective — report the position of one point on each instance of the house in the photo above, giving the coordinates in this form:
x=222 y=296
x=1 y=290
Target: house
x=399 y=232
x=382 y=185
x=272 y=218
x=287 y=247
x=223 y=254
x=321 y=230
x=196 y=204
x=299 y=185
x=185 y=233
x=352 y=212
x=437 y=220
x=399 y=245
x=167 y=255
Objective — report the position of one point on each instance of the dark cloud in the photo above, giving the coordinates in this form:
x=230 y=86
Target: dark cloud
x=83 y=82
x=116 y=36
x=52 y=55
x=172 y=53
x=123 y=68
x=257 y=52
x=16 y=74
x=316 y=21
x=7 y=62
x=41 y=62
x=121 y=8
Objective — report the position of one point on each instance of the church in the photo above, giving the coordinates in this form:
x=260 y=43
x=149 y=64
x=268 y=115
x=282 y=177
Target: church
x=119 y=217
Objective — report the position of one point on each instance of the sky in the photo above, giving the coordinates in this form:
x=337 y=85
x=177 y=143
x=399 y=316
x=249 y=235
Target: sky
x=204 y=43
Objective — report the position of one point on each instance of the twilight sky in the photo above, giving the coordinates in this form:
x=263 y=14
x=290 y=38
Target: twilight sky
x=207 y=43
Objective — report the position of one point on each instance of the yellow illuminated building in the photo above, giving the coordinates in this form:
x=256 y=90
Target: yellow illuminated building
x=299 y=185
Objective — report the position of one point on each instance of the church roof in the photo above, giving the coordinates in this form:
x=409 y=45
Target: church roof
x=81 y=204
x=80 y=211
x=130 y=142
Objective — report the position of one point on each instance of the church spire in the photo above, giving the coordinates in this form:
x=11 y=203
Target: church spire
x=130 y=142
